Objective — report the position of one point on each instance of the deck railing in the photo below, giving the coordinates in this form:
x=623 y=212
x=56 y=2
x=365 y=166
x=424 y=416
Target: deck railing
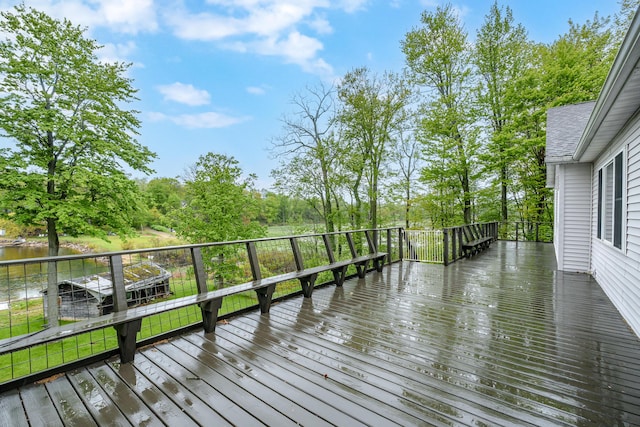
x=423 y=246
x=85 y=285
x=526 y=231
x=454 y=238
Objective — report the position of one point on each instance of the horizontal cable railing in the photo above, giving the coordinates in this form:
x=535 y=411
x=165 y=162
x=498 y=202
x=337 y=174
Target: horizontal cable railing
x=95 y=285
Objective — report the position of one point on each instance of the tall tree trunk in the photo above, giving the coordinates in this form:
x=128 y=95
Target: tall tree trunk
x=503 y=186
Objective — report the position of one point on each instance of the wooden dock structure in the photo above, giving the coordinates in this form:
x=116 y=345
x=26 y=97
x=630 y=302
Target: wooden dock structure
x=500 y=339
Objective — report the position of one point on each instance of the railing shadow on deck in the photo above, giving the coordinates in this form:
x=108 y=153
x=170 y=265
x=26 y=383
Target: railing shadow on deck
x=88 y=284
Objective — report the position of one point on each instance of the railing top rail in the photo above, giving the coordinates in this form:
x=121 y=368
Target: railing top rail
x=177 y=247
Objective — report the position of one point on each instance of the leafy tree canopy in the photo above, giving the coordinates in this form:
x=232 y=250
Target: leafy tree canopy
x=72 y=137
x=219 y=202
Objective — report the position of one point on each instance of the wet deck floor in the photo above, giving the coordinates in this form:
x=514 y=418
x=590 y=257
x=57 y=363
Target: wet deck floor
x=500 y=339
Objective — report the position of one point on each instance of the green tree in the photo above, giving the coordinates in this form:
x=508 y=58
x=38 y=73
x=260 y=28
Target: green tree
x=63 y=109
x=500 y=59
x=164 y=196
x=71 y=138
x=373 y=112
x=219 y=202
x=572 y=69
x=438 y=55
x=308 y=148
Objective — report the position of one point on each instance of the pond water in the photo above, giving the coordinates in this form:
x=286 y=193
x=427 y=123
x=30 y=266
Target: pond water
x=27 y=280
x=8 y=253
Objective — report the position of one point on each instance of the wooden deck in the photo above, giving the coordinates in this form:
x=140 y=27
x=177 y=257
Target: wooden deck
x=499 y=339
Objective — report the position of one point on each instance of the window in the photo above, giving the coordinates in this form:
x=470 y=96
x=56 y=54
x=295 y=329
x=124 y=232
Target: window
x=610 y=202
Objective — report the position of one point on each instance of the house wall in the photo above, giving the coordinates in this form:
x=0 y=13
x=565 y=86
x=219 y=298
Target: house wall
x=618 y=270
x=573 y=217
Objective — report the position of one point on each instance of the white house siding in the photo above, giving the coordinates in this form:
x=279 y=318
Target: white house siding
x=633 y=200
x=618 y=271
x=558 y=223
x=576 y=218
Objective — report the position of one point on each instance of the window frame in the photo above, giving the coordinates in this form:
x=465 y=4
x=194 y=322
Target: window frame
x=610 y=202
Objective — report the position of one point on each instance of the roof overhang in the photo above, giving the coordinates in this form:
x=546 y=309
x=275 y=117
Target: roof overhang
x=618 y=101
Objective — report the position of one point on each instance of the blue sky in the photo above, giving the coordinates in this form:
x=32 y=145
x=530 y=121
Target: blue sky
x=218 y=75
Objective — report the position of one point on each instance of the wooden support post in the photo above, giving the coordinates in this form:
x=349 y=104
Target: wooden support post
x=264 y=297
x=339 y=275
x=210 y=314
x=445 y=234
x=127 y=339
x=361 y=268
x=370 y=241
x=378 y=263
x=352 y=246
x=307 y=283
x=126 y=331
x=253 y=261
x=329 y=247
x=389 y=246
x=400 y=243
x=198 y=270
x=297 y=255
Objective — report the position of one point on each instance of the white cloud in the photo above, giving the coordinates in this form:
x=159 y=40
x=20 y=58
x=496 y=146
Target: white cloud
x=256 y=90
x=206 y=120
x=124 y=16
x=296 y=48
x=184 y=94
x=321 y=25
x=119 y=52
x=263 y=27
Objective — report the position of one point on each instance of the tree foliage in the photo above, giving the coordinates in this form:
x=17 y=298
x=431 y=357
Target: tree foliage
x=310 y=152
x=63 y=109
x=500 y=58
x=373 y=112
x=439 y=57
x=219 y=204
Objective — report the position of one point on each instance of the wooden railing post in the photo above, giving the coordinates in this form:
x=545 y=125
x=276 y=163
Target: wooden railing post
x=445 y=235
x=328 y=246
x=253 y=261
x=210 y=308
x=126 y=332
x=352 y=246
x=53 y=311
x=389 y=247
x=297 y=255
x=371 y=241
x=198 y=270
x=400 y=243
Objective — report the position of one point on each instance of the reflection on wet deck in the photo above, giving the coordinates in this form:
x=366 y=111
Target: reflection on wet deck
x=499 y=339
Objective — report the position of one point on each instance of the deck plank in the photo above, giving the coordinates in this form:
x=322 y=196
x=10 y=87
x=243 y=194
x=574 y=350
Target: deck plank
x=11 y=410
x=103 y=410
x=498 y=339
x=192 y=406
x=68 y=404
x=296 y=385
x=254 y=399
x=38 y=406
x=133 y=408
x=151 y=396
